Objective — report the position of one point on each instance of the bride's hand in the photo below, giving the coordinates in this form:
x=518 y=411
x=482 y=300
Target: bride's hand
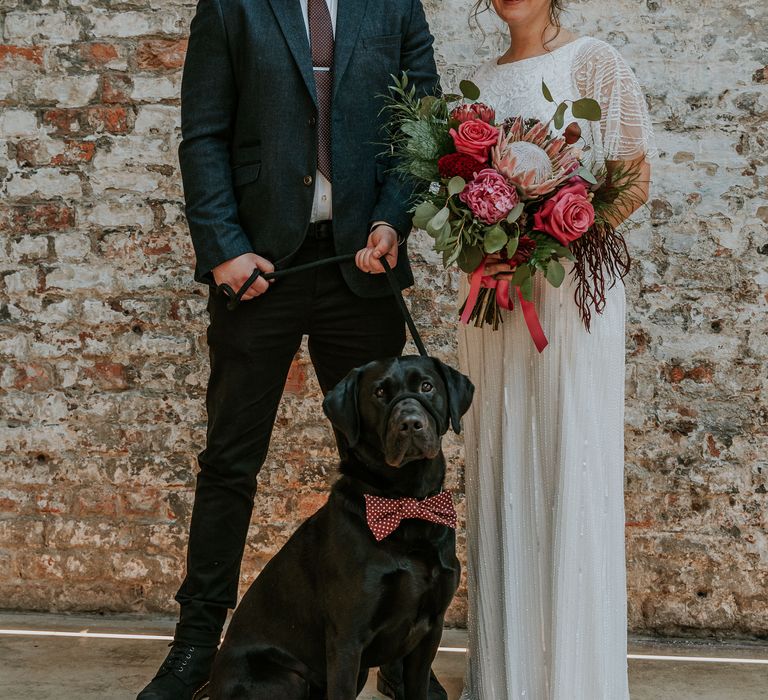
x=497 y=267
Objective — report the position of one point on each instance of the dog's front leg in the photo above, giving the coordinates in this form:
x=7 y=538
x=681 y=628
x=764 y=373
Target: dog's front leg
x=343 y=669
x=417 y=665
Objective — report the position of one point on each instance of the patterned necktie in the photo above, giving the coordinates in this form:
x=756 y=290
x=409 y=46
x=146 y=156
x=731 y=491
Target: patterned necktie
x=321 y=41
x=384 y=515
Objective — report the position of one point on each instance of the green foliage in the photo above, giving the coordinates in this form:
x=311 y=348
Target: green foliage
x=559 y=118
x=495 y=239
x=586 y=174
x=587 y=108
x=469 y=90
x=456 y=185
x=423 y=214
x=469 y=258
x=514 y=215
x=555 y=273
x=547 y=94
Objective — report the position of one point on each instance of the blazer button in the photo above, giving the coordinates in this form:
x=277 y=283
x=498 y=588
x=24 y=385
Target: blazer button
x=312 y=121
x=308 y=180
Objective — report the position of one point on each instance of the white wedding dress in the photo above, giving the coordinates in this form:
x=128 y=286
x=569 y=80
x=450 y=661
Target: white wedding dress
x=545 y=439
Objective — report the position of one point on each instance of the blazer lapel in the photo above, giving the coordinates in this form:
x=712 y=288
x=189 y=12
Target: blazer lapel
x=349 y=15
x=291 y=21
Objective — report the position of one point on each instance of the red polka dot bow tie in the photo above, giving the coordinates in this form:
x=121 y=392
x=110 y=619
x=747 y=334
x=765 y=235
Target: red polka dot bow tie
x=384 y=515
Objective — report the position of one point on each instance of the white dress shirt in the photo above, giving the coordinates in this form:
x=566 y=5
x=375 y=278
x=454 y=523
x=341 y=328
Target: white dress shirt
x=322 y=206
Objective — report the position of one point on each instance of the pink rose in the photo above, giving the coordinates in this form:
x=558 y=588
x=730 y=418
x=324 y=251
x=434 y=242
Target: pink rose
x=476 y=110
x=475 y=138
x=567 y=215
x=489 y=196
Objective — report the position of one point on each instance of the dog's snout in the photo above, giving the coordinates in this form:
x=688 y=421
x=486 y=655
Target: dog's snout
x=411 y=424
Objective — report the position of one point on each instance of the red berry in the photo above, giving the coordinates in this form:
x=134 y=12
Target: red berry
x=572 y=133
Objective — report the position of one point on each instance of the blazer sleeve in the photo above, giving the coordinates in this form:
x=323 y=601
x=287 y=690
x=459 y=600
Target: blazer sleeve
x=208 y=104
x=417 y=58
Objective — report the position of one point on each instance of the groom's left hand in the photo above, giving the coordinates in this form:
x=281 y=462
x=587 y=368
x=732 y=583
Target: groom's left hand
x=382 y=241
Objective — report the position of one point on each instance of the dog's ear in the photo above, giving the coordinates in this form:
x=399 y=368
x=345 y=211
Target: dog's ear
x=460 y=392
x=340 y=405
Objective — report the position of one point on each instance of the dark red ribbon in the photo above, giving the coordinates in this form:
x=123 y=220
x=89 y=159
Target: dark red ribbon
x=480 y=280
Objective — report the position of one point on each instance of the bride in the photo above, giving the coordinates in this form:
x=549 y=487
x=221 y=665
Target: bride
x=545 y=448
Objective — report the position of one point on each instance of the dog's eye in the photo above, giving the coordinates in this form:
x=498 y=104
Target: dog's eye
x=380 y=393
x=426 y=387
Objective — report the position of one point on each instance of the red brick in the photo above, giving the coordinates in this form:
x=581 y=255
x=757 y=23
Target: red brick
x=113 y=119
x=159 y=54
x=75 y=152
x=98 y=54
x=108 y=376
x=675 y=375
x=95 y=502
x=296 y=383
x=310 y=503
x=701 y=374
x=41 y=218
x=34 y=377
x=116 y=88
x=22 y=56
x=28 y=153
x=144 y=502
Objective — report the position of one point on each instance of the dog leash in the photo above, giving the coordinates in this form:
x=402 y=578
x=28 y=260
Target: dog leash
x=234 y=297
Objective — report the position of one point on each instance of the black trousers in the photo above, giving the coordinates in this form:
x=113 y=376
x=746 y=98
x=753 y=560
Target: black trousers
x=251 y=350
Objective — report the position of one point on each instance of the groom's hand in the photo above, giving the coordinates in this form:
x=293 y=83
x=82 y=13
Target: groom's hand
x=381 y=242
x=235 y=273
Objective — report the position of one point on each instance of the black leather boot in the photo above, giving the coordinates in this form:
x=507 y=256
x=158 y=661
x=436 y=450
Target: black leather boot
x=184 y=672
x=389 y=682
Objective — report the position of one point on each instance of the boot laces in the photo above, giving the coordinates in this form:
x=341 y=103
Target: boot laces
x=178 y=658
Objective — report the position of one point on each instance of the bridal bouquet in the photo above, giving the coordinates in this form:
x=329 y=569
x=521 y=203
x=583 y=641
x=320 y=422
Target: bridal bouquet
x=514 y=190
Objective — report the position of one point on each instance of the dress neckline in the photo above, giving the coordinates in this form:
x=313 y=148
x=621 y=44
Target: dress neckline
x=543 y=55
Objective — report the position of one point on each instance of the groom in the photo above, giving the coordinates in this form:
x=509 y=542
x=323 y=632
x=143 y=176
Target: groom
x=281 y=162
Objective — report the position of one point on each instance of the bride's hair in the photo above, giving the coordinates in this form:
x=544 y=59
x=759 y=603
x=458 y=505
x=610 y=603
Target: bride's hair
x=555 y=10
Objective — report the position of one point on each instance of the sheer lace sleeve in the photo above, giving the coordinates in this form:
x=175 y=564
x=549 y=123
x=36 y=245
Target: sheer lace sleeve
x=601 y=73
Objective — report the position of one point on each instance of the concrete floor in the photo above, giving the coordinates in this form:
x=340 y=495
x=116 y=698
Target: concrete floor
x=81 y=668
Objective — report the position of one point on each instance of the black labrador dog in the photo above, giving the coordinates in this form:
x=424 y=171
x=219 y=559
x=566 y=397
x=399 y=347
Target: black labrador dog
x=355 y=587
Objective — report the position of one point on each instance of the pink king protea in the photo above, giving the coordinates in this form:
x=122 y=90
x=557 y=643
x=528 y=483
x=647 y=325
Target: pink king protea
x=532 y=160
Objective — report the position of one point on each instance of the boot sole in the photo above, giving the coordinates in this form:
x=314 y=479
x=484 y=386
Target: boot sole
x=201 y=693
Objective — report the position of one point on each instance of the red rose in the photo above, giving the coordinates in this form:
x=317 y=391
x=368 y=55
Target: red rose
x=476 y=110
x=567 y=215
x=475 y=138
x=457 y=164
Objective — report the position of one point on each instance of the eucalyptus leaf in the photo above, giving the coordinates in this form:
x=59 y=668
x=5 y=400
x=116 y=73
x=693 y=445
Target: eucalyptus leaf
x=563 y=252
x=424 y=214
x=512 y=246
x=522 y=274
x=586 y=174
x=470 y=258
x=439 y=220
x=588 y=109
x=547 y=94
x=526 y=289
x=514 y=215
x=469 y=90
x=559 y=119
x=495 y=239
x=456 y=185
x=555 y=273
x=450 y=258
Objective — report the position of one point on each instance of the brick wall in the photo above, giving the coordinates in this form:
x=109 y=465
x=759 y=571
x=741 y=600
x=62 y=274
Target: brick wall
x=102 y=354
